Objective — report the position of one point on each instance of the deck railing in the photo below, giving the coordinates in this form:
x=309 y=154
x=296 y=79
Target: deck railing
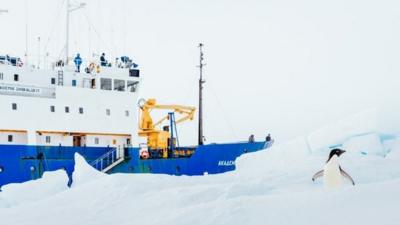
x=108 y=158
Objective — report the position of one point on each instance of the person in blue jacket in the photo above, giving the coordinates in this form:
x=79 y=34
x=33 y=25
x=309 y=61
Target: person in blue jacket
x=78 y=62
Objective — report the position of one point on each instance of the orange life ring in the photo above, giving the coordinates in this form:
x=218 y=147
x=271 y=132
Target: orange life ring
x=144 y=154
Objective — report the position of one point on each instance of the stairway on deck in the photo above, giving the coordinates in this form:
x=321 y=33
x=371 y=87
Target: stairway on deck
x=109 y=160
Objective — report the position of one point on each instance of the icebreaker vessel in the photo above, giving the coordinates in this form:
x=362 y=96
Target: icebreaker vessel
x=49 y=114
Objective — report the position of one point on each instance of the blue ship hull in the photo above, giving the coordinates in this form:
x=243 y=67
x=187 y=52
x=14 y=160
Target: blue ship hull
x=20 y=163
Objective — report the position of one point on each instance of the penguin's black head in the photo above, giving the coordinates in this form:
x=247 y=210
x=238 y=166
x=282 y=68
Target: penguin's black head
x=337 y=152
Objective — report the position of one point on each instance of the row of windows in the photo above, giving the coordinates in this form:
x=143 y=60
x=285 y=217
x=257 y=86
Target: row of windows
x=105 y=83
x=67 y=109
x=16 y=77
x=10 y=139
x=119 y=85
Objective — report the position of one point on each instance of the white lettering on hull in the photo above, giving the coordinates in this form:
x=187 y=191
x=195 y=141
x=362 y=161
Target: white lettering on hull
x=226 y=163
x=26 y=90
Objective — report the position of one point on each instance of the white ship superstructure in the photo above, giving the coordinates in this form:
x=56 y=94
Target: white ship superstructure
x=60 y=106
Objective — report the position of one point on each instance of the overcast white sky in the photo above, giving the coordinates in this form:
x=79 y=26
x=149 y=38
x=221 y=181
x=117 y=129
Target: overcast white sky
x=285 y=67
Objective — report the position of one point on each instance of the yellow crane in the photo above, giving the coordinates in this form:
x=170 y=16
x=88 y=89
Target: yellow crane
x=161 y=139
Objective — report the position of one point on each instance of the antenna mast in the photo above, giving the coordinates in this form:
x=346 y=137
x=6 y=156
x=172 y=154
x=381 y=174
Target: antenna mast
x=70 y=8
x=201 y=82
x=67 y=34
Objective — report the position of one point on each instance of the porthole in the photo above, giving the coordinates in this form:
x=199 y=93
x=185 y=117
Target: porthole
x=1 y=169
x=32 y=169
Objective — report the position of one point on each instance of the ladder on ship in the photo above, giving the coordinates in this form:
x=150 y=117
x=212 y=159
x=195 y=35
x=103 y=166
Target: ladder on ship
x=109 y=160
x=60 y=78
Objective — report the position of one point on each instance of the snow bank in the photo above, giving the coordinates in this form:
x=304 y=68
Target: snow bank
x=50 y=184
x=394 y=149
x=269 y=187
x=83 y=172
x=366 y=144
x=362 y=123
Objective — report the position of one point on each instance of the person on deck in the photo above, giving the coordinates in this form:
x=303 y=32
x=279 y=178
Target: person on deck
x=268 y=138
x=251 y=138
x=78 y=62
x=103 y=61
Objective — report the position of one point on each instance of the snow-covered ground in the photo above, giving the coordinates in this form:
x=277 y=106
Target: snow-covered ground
x=268 y=187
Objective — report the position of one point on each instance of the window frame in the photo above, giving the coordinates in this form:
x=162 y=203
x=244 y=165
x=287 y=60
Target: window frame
x=102 y=84
x=118 y=86
x=132 y=85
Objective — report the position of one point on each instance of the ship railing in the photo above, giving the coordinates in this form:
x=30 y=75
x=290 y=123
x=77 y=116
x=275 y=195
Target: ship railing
x=108 y=159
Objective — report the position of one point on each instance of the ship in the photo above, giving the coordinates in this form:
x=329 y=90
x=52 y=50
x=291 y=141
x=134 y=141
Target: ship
x=50 y=114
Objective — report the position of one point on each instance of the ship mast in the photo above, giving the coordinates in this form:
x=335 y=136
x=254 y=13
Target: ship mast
x=201 y=82
x=70 y=8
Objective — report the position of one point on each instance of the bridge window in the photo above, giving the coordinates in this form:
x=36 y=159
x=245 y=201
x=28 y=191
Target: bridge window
x=96 y=141
x=66 y=109
x=10 y=138
x=48 y=139
x=53 y=80
x=105 y=84
x=1 y=76
x=119 y=85
x=16 y=77
x=52 y=108
x=132 y=85
x=134 y=73
x=126 y=112
x=73 y=83
x=80 y=110
x=108 y=112
x=14 y=106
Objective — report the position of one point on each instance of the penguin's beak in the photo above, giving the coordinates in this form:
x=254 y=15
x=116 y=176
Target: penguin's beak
x=342 y=151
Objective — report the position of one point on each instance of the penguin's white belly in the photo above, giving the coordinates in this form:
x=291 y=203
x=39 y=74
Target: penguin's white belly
x=332 y=175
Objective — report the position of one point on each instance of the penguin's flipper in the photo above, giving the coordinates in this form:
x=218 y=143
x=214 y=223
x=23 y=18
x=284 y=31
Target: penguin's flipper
x=318 y=174
x=346 y=175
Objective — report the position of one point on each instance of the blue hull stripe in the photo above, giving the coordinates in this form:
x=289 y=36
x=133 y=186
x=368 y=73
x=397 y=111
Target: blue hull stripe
x=21 y=163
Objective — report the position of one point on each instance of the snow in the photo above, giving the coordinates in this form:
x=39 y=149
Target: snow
x=50 y=184
x=83 y=172
x=268 y=187
x=361 y=123
x=366 y=144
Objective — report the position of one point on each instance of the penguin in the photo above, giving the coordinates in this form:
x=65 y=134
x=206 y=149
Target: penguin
x=332 y=172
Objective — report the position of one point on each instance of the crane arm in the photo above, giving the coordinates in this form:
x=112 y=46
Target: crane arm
x=187 y=111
